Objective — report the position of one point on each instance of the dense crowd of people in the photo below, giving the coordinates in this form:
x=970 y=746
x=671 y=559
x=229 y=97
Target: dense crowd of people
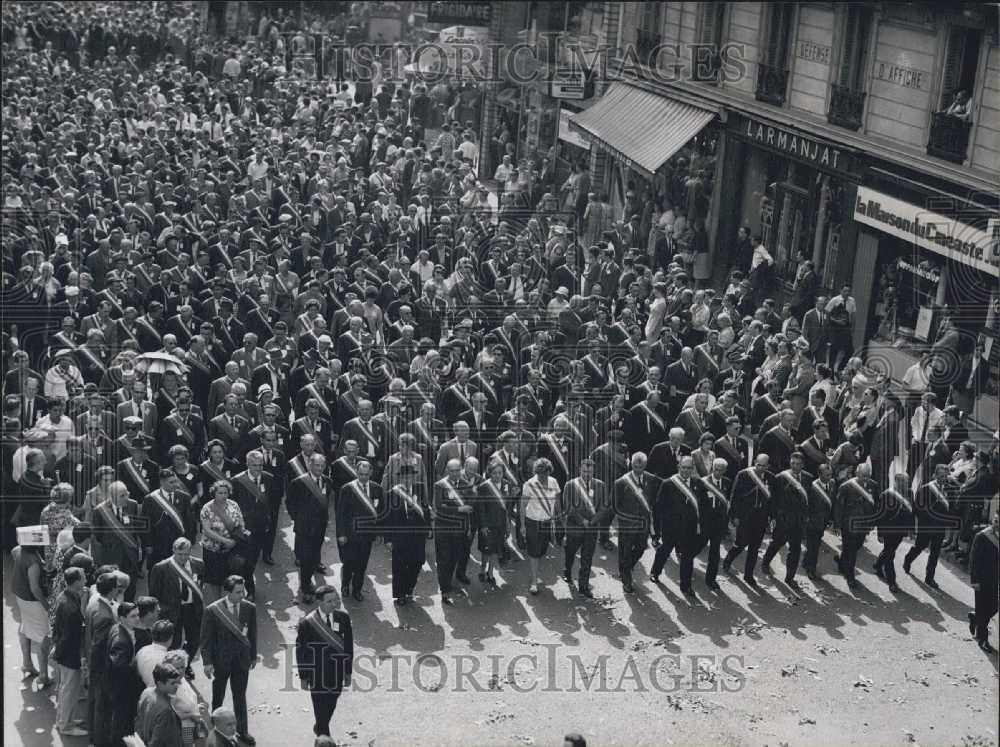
x=232 y=294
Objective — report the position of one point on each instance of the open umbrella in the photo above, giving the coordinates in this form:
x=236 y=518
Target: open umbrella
x=158 y=363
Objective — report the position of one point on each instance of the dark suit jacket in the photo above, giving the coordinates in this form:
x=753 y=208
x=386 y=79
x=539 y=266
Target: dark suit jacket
x=220 y=647
x=632 y=515
x=310 y=512
x=324 y=656
x=170 y=591
x=662 y=461
x=355 y=520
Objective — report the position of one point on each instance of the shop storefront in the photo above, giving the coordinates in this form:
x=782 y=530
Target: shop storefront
x=918 y=275
x=795 y=190
x=663 y=154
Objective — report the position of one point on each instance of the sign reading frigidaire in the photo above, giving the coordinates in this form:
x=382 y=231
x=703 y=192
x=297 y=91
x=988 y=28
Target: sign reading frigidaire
x=469 y=14
x=798 y=145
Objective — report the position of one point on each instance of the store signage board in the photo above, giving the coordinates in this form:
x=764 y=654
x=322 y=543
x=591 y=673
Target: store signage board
x=569 y=135
x=794 y=144
x=567 y=85
x=937 y=233
x=469 y=14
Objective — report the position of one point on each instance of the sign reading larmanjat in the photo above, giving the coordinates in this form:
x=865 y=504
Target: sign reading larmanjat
x=821 y=154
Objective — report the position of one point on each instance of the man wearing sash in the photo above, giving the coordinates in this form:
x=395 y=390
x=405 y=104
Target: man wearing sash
x=229 y=649
x=324 y=656
x=633 y=500
x=822 y=494
x=360 y=512
x=310 y=501
x=790 y=509
x=712 y=492
x=814 y=448
x=856 y=506
x=646 y=424
x=750 y=506
x=117 y=534
x=452 y=527
x=678 y=522
x=140 y=474
x=732 y=447
x=182 y=427
x=694 y=421
x=931 y=507
x=406 y=528
x=778 y=443
x=176 y=582
x=895 y=521
x=169 y=513
x=371 y=446
x=562 y=449
x=582 y=499
x=229 y=427
x=258 y=493
x=312 y=423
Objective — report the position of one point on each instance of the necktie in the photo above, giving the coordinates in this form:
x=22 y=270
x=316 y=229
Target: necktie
x=329 y=622
x=461 y=453
x=923 y=432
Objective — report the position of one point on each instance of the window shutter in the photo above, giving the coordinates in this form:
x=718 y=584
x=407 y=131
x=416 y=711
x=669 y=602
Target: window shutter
x=711 y=23
x=952 y=64
x=850 y=48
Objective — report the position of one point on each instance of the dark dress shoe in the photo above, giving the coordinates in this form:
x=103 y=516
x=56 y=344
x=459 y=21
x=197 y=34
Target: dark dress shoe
x=931 y=583
x=321 y=568
x=687 y=591
x=268 y=560
x=893 y=588
x=792 y=583
x=654 y=577
x=751 y=581
x=345 y=592
x=878 y=572
x=401 y=601
x=189 y=674
x=712 y=585
x=358 y=596
x=482 y=577
x=906 y=567
x=463 y=579
x=608 y=545
x=628 y=588
x=445 y=599
x=985 y=646
x=972 y=623
x=585 y=591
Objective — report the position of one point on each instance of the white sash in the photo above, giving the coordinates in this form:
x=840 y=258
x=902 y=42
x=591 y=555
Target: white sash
x=540 y=494
x=630 y=478
x=557 y=452
x=343 y=460
x=134 y=473
x=711 y=488
x=819 y=489
x=452 y=492
x=364 y=499
x=368 y=434
x=583 y=494
x=462 y=397
x=409 y=500
x=331 y=636
x=760 y=483
x=499 y=496
x=187 y=578
x=311 y=388
x=117 y=527
x=676 y=480
x=167 y=509
x=795 y=483
x=656 y=418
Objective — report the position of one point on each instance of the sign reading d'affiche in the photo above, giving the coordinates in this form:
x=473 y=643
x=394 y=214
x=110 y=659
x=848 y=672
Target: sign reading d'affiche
x=946 y=236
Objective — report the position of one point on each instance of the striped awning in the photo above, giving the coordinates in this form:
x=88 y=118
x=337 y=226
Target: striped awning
x=641 y=128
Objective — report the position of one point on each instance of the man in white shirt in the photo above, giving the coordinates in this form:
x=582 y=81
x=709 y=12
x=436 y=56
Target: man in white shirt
x=60 y=375
x=149 y=656
x=925 y=420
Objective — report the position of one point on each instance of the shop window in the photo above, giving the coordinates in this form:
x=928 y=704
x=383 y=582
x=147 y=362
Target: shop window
x=772 y=71
x=707 y=53
x=952 y=123
x=847 y=99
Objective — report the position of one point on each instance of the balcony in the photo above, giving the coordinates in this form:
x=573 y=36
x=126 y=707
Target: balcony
x=646 y=45
x=846 y=107
x=949 y=138
x=772 y=82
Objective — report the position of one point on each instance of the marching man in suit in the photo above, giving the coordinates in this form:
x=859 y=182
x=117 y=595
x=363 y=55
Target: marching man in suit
x=633 y=499
x=229 y=649
x=750 y=505
x=360 y=509
x=324 y=656
x=582 y=499
x=713 y=507
x=176 y=583
x=310 y=500
x=790 y=509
